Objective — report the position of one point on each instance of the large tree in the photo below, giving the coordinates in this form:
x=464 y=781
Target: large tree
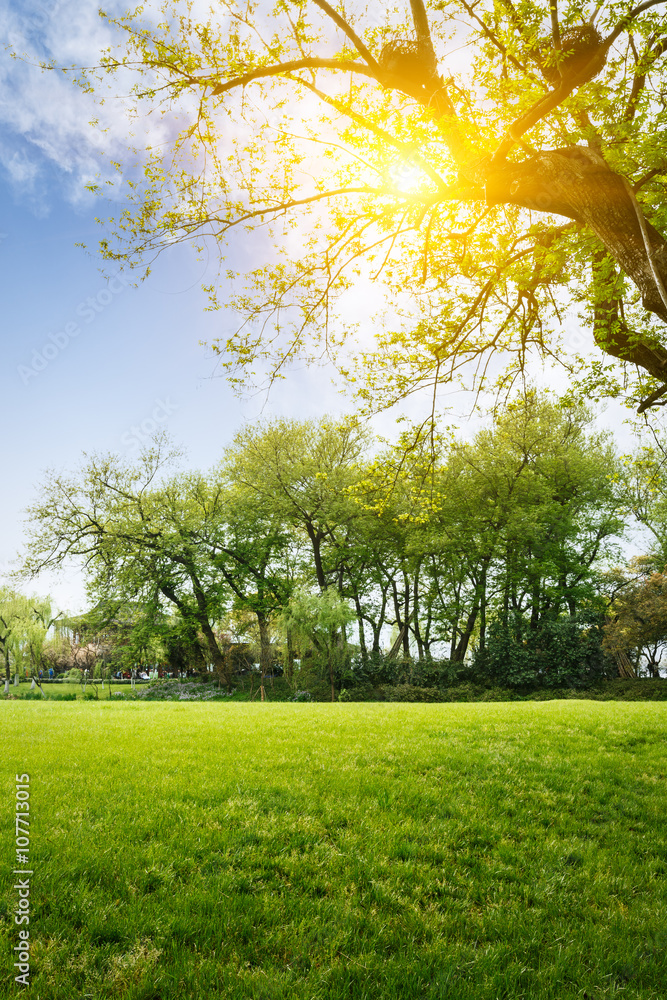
x=301 y=473
x=142 y=540
x=480 y=166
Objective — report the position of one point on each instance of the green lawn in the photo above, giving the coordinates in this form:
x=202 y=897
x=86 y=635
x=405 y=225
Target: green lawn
x=315 y=851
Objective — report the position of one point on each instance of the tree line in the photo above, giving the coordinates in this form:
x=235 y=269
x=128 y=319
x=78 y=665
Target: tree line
x=326 y=549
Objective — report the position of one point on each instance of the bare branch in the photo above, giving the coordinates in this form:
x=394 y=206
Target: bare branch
x=279 y=69
x=351 y=34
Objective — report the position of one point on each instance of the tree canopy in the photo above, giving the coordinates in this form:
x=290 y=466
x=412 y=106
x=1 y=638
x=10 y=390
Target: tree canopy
x=300 y=531
x=487 y=173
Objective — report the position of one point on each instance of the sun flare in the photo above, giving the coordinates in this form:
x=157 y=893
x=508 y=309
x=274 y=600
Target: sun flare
x=406 y=177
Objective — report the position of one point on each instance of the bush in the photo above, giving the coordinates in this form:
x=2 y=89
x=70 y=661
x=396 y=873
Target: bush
x=379 y=670
x=360 y=692
x=561 y=652
x=634 y=689
x=173 y=690
x=411 y=692
x=73 y=674
x=304 y=696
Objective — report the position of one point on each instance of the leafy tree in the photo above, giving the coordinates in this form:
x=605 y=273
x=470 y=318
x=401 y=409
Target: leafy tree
x=514 y=521
x=192 y=542
x=140 y=541
x=484 y=166
x=255 y=559
x=399 y=493
x=301 y=473
x=127 y=633
x=643 y=482
x=438 y=538
x=24 y=624
x=320 y=619
x=636 y=630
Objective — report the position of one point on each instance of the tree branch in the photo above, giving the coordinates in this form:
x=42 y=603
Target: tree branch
x=279 y=69
x=385 y=136
x=551 y=101
x=493 y=38
x=423 y=33
x=625 y=21
x=639 y=81
x=351 y=34
x=555 y=28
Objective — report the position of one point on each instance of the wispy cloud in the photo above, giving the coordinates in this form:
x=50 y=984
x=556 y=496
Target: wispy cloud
x=45 y=120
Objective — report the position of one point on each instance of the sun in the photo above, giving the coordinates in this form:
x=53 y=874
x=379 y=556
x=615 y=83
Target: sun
x=405 y=176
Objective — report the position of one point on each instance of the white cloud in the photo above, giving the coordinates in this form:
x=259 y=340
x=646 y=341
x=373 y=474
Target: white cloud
x=45 y=119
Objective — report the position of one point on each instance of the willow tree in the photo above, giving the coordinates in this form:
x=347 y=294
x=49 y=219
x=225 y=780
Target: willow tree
x=24 y=624
x=481 y=169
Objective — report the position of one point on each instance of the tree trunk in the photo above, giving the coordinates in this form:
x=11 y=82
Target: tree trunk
x=624 y=665
x=415 y=613
x=379 y=623
x=360 y=629
x=333 y=653
x=462 y=646
x=264 y=650
x=220 y=664
x=400 y=624
x=406 y=616
x=316 y=543
x=289 y=666
x=482 y=614
x=577 y=183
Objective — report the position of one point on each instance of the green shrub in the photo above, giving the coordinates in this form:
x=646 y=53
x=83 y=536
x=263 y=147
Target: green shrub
x=305 y=696
x=411 y=692
x=73 y=674
x=635 y=689
x=360 y=692
x=561 y=652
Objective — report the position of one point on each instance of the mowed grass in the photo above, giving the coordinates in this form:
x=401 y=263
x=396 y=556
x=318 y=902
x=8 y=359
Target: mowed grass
x=340 y=851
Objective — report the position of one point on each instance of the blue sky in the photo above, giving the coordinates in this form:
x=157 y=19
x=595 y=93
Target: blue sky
x=90 y=364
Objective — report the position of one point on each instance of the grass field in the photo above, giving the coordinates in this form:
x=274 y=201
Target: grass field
x=309 y=851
